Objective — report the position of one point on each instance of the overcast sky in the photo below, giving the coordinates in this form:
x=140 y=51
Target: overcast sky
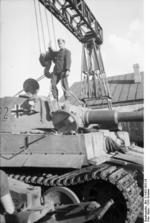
x=122 y=22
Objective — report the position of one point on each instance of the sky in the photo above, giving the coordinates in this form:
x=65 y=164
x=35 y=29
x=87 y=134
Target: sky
x=123 y=46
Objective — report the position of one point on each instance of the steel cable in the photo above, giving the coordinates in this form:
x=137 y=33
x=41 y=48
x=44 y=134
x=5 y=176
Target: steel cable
x=37 y=26
x=53 y=27
x=45 y=10
x=40 y=14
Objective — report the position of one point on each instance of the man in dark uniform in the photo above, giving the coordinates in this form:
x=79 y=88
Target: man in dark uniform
x=62 y=60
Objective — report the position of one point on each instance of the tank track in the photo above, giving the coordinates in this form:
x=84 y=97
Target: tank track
x=114 y=175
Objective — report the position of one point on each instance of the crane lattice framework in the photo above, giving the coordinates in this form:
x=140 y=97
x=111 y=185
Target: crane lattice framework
x=76 y=16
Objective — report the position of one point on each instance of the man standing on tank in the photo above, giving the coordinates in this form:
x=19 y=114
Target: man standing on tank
x=61 y=71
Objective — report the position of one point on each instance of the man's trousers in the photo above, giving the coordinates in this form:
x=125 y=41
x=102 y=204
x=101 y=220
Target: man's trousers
x=64 y=82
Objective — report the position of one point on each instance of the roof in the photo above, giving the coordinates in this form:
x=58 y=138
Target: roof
x=122 y=88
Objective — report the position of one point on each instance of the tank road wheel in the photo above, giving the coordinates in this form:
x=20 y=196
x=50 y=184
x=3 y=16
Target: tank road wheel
x=60 y=195
x=57 y=196
x=102 y=192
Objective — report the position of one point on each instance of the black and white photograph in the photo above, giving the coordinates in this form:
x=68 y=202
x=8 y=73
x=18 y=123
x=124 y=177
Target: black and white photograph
x=72 y=129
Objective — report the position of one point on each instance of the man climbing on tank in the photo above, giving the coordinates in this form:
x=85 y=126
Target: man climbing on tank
x=31 y=88
x=61 y=71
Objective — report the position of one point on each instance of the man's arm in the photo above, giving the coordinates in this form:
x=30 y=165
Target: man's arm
x=46 y=57
x=46 y=61
x=5 y=196
x=7 y=203
x=68 y=60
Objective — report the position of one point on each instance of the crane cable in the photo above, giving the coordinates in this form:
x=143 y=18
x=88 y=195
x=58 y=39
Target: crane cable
x=54 y=33
x=38 y=33
x=37 y=27
x=45 y=10
x=53 y=27
x=42 y=29
x=49 y=36
x=39 y=44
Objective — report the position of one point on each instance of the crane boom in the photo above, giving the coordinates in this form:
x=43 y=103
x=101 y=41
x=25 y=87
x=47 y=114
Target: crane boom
x=76 y=16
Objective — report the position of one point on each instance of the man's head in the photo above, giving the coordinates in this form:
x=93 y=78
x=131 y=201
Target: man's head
x=61 y=43
x=31 y=87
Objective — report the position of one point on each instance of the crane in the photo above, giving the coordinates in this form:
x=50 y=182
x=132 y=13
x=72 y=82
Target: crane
x=72 y=151
x=76 y=16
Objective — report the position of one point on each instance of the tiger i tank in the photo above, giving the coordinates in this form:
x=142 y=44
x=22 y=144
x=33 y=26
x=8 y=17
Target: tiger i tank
x=74 y=155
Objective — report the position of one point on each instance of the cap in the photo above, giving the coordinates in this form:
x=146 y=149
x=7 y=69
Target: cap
x=60 y=39
x=31 y=86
